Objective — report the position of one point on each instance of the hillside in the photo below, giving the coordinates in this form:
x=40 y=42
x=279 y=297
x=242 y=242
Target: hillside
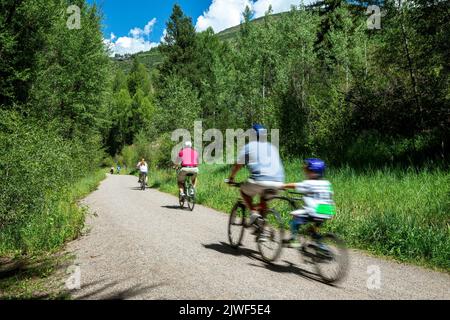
x=152 y=58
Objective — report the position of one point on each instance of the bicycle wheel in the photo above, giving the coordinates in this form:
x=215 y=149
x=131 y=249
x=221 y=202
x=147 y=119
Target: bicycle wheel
x=191 y=197
x=181 y=200
x=330 y=258
x=270 y=239
x=236 y=224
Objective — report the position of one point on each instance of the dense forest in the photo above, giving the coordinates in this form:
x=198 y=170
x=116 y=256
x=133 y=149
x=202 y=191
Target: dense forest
x=54 y=102
x=335 y=89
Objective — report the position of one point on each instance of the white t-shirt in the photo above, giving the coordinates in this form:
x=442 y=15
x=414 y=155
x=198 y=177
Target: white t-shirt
x=143 y=168
x=318 y=196
x=263 y=161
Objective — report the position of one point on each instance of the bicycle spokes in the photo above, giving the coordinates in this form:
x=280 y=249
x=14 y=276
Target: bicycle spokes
x=270 y=238
x=330 y=258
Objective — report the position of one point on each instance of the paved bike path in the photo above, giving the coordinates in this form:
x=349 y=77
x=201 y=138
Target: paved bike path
x=142 y=246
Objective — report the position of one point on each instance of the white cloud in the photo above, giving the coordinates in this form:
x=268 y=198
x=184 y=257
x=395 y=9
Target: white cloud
x=261 y=6
x=149 y=26
x=137 y=40
x=163 y=40
x=223 y=14
x=138 y=32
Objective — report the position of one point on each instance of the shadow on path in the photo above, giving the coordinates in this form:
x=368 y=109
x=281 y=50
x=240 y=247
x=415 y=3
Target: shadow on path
x=122 y=294
x=225 y=248
x=289 y=267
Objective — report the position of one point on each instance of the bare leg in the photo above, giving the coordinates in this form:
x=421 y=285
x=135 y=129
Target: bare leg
x=263 y=208
x=181 y=187
x=248 y=201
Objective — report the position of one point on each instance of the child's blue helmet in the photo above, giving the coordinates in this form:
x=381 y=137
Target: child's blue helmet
x=316 y=165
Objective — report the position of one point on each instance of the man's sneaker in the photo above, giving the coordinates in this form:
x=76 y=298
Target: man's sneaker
x=253 y=217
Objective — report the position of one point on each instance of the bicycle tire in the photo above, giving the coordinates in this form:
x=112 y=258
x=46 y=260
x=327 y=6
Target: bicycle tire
x=342 y=260
x=273 y=230
x=191 y=197
x=239 y=207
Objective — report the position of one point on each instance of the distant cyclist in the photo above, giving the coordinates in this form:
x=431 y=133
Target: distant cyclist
x=187 y=162
x=263 y=160
x=142 y=166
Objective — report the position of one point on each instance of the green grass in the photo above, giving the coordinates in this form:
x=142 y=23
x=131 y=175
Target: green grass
x=390 y=212
x=40 y=278
x=61 y=220
x=31 y=268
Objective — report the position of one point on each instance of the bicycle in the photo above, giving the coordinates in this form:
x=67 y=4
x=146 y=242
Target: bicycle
x=142 y=181
x=189 y=192
x=317 y=249
x=268 y=236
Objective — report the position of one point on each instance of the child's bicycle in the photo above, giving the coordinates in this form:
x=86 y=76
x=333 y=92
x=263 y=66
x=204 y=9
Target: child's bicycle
x=189 y=192
x=327 y=252
x=269 y=237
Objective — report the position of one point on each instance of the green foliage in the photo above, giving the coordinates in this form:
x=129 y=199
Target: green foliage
x=178 y=106
x=36 y=209
x=179 y=47
x=322 y=77
x=54 y=92
x=132 y=108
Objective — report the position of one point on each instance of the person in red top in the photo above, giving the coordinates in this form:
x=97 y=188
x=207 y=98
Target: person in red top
x=188 y=161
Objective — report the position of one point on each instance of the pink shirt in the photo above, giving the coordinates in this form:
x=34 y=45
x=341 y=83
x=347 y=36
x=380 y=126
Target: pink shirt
x=189 y=157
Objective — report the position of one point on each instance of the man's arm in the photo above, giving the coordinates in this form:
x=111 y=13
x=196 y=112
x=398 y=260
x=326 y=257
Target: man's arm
x=298 y=186
x=241 y=161
x=290 y=186
x=179 y=160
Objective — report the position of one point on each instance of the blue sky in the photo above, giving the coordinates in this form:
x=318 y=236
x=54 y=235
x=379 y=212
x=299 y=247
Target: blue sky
x=123 y=15
x=131 y=26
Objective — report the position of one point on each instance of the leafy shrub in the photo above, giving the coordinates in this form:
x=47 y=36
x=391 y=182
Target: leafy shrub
x=38 y=169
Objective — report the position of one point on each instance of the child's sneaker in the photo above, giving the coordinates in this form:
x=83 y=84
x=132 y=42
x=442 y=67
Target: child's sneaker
x=292 y=243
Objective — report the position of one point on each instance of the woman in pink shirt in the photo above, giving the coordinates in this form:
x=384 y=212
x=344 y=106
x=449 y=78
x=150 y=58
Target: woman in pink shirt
x=188 y=161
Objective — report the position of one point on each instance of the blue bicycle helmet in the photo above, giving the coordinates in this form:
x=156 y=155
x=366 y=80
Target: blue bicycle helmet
x=260 y=130
x=316 y=165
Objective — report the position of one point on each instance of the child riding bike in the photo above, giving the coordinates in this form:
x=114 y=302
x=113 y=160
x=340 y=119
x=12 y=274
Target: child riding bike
x=318 y=198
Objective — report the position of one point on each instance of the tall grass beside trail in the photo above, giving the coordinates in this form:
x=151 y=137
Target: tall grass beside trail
x=402 y=214
x=60 y=221
x=43 y=174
